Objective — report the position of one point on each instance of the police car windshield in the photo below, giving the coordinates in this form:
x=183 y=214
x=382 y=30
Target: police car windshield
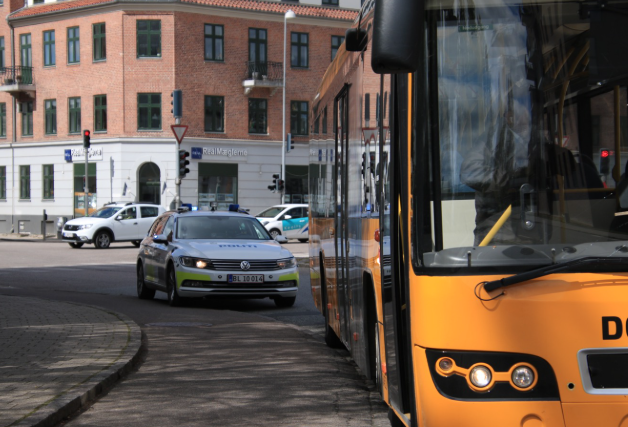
x=106 y=212
x=270 y=212
x=221 y=227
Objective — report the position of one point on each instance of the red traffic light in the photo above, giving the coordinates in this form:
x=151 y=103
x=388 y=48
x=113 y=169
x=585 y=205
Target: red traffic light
x=605 y=153
x=86 y=133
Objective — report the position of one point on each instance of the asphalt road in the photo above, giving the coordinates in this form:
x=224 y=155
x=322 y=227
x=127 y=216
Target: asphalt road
x=216 y=363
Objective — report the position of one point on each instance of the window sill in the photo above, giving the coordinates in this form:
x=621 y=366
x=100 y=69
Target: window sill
x=69 y=64
x=100 y=131
x=258 y=134
x=215 y=61
x=149 y=57
x=48 y=200
x=50 y=67
x=24 y=200
x=217 y=132
x=150 y=130
x=98 y=61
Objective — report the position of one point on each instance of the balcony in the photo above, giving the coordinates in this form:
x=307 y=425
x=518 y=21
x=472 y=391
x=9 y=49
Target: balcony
x=15 y=80
x=263 y=75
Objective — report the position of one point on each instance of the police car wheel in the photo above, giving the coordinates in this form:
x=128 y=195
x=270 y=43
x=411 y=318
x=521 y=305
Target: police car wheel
x=136 y=243
x=174 y=300
x=142 y=291
x=75 y=245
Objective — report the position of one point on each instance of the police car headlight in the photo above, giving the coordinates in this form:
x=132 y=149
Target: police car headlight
x=286 y=263
x=187 y=261
x=85 y=226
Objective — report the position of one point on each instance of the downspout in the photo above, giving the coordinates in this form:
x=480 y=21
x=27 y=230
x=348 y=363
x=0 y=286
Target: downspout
x=13 y=136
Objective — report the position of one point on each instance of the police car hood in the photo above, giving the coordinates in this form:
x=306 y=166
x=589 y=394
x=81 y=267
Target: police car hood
x=230 y=249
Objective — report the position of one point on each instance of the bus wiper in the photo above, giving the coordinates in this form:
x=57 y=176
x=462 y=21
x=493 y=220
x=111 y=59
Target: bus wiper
x=555 y=268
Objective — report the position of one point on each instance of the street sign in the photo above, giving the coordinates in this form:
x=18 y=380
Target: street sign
x=179 y=132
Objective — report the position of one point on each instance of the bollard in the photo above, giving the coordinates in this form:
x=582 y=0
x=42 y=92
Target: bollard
x=43 y=225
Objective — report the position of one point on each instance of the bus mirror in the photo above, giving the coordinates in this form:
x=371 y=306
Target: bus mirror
x=397 y=36
x=355 y=40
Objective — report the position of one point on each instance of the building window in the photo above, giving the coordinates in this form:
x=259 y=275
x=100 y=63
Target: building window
x=74 y=50
x=25 y=182
x=149 y=111
x=27 y=118
x=49 y=181
x=330 y=2
x=26 y=54
x=336 y=41
x=217 y=182
x=257 y=51
x=74 y=109
x=299 y=52
x=50 y=57
x=325 y=120
x=214 y=114
x=148 y=39
x=298 y=117
x=3 y=182
x=100 y=42
x=2 y=61
x=258 y=115
x=3 y=119
x=214 y=42
x=100 y=113
x=50 y=107
x=38 y=1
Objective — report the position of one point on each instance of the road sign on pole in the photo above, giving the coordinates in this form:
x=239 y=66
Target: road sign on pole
x=179 y=132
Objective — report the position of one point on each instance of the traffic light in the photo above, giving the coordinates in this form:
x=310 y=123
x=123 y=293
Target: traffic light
x=605 y=160
x=177 y=103
x=275 y=185
x=289 y=143
x=280 y=185
x=183 y=163
x=86 y=137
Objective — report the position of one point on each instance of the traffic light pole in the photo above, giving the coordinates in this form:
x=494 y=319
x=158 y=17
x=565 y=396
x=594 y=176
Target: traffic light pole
x=177 y=180
x=86 y=150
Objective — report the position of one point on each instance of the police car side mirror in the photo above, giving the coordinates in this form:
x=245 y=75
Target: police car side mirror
x=287 y=217
x=160 y=239
x=281 y=239
x=119 y=218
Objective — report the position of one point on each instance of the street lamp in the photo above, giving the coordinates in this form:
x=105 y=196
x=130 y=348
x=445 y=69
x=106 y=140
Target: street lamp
x=288 y=15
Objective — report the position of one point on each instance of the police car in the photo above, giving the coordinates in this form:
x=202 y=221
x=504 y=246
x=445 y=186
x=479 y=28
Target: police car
x=194 y=254
x=288 y=220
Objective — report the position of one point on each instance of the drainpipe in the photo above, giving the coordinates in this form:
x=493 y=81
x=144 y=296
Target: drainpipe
x=13 y=137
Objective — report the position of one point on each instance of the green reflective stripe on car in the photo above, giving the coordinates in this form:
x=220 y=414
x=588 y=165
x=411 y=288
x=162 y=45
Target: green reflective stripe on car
x=291 y=276
x=181 y=276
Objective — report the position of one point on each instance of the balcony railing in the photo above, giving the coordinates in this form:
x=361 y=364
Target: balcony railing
x=265 y=71
x=16 y=75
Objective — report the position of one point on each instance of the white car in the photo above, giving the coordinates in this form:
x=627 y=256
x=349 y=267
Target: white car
x=288 y=220
x=215 y=254
x=114 y=222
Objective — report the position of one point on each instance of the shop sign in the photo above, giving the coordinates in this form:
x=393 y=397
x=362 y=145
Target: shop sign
x=74 y=154
x=199 y=152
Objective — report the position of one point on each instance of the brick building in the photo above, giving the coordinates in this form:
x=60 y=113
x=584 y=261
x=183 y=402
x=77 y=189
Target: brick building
x=110 y=66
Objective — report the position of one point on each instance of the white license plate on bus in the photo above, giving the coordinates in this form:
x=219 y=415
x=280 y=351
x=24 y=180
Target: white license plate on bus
x=245 y=278
x=68 y=235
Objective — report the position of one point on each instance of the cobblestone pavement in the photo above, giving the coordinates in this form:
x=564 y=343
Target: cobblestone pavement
x=56 y=356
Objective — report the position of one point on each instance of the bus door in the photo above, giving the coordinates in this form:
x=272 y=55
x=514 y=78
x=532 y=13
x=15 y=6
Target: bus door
x=341 y=236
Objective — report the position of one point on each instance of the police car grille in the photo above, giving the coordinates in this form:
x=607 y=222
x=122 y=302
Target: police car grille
x=71 y=227
x=228 y=265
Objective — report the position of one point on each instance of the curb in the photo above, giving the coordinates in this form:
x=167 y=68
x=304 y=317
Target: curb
x=83 y=393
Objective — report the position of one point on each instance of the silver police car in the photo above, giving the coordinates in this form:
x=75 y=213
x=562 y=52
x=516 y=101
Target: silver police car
x=193 y=254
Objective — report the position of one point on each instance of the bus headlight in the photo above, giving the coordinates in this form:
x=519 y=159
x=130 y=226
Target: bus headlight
x=523 y=376
x=480 y=376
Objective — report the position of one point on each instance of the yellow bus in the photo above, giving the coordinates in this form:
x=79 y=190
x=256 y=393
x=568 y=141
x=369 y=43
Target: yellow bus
x=467 y=245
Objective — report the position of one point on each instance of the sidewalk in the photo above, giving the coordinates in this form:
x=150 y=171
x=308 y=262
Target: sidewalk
x=56 y=356
x=27 y=237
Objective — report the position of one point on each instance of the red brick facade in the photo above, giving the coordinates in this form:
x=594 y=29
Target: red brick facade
x=181 y=66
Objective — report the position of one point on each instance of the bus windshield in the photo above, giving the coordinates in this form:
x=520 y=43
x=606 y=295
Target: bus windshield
x=528 y=164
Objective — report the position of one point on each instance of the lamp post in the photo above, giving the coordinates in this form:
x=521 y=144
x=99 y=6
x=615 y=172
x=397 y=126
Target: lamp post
x=288 y=15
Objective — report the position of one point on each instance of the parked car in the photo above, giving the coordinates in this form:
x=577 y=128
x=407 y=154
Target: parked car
x=194 y=254
x=289 y=220
x=114 y=222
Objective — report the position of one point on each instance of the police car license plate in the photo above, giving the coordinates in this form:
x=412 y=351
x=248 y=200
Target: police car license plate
x=245 y=278
x=68 y=235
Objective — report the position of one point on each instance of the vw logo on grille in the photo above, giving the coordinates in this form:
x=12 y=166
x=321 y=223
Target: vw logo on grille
x=244 y=265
